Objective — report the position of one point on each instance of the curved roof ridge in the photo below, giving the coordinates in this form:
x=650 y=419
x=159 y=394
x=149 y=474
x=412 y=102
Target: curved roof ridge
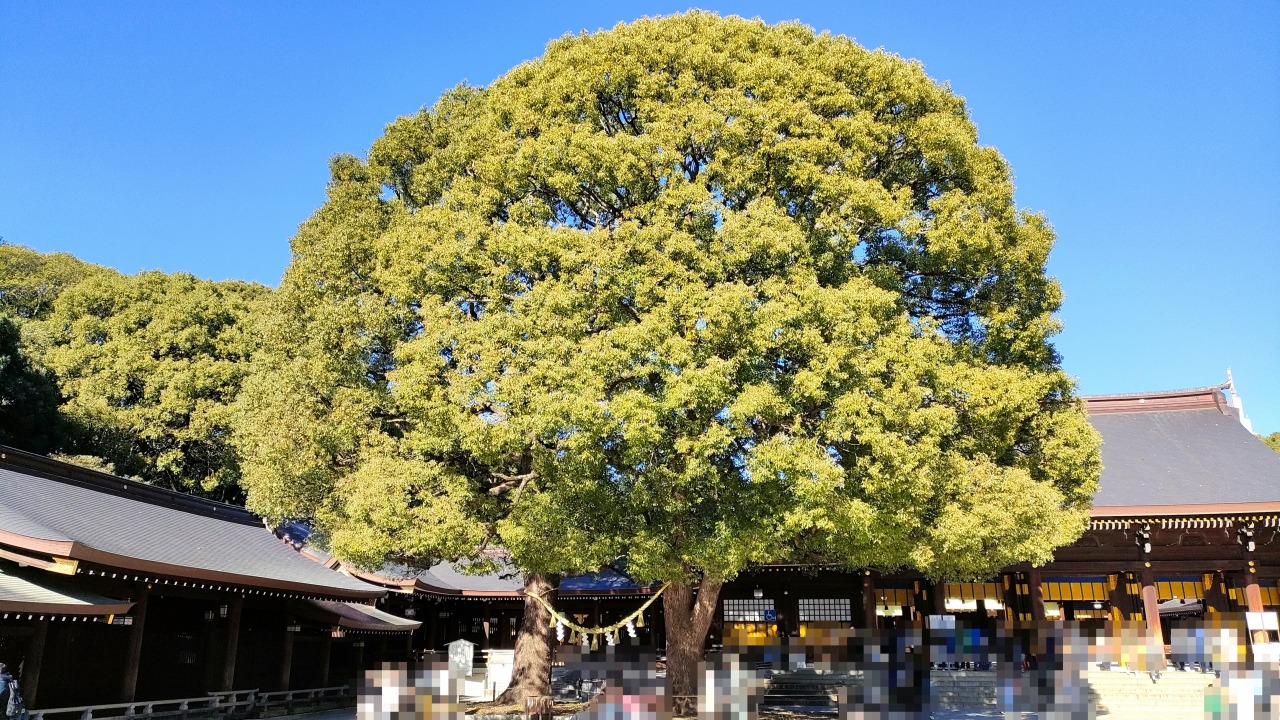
x=67 y=473
x=1158 y=393
x=1202 y=398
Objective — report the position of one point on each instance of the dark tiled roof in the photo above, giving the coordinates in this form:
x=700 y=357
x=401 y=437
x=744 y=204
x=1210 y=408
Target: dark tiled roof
x=352 y=616
x=113 y=522
x=604 y=581
x=450 y=576
x=448 y=579
x=37 y=591
x=1182 y=457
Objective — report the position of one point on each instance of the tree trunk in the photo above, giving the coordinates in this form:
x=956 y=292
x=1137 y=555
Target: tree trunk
x=531 y=674
x=688 y=617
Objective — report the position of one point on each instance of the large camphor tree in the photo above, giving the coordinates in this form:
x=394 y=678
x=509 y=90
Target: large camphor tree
x=696 y=292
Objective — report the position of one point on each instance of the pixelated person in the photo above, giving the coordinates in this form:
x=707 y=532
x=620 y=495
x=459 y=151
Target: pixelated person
x=731 y=688
x=392 y=692
x=627 y=682
x=895 y=669
x=1011 y=647
x=1057 y=684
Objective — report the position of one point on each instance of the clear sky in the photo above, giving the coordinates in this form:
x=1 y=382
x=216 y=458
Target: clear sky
x=194 y=136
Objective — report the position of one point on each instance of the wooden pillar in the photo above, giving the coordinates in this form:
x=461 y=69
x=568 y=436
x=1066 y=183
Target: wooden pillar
x=235 y=606
x=652 y=626
x=869 y=618
x=1118 y=597
x=1151 y=605
x=326 y=650
x=1253 y=600
x=1036 y=592
x=286 y=663
x=358 y=648
x=484 y=624
x=939 y=591
x=408 y=646
x=133 y=653
x=1215 y=593
x=31 y=666
x=433 y=613
x=1252 y=592
x=920 y=603
x=1012 y=603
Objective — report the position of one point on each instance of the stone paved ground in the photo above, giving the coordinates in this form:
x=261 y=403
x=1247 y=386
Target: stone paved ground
x=350 y=714
x=339 y=714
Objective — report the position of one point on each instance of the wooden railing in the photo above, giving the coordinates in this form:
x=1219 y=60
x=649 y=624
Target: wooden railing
x=181 y=709
x=221 y=705
x=292 y=701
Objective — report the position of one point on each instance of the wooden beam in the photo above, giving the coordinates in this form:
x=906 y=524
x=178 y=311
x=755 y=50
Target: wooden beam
x=133 y=652
x=233 y=642
x=55 y=564
x=1171 y=567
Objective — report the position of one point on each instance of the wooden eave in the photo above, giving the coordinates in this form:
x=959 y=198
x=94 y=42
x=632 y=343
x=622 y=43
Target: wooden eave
x=79 y=552
x=120 y=608
x=1205 y=398
x=1264 y=514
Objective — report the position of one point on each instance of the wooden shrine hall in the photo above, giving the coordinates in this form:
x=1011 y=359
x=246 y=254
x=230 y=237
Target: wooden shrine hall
x=115 y=591
x=1184 y=524
x=112 y=590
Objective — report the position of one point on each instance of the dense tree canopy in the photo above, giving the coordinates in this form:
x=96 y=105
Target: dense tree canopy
x=146 y=366
x=31 y=281
x=29 y=418
x=150 y=365
x=702 y=292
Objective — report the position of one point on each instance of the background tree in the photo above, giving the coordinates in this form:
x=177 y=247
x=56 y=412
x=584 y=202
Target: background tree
x=1272 y=441
x=696 y=291
x=31 y=281
x=148 y=366
x=29 y=418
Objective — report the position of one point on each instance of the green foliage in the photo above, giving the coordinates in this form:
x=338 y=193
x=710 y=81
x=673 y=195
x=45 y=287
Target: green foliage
x=29 y=417
x=696 y=291
x=1272 y=441
x=149 y=365
x=31 y=281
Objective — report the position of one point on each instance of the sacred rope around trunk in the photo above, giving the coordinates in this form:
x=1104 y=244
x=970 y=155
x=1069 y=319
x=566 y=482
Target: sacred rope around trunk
x=611 y=630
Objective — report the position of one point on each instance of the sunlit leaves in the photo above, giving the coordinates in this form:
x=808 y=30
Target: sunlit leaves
x=699 y=292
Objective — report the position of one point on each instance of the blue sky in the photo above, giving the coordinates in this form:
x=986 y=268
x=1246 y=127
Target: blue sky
x=194 y=136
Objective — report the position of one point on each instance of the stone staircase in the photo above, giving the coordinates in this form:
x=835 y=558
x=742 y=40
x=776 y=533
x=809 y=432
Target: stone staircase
x=963 y=689
x=807 y=689
x=1174 y=695
x=1117 y=695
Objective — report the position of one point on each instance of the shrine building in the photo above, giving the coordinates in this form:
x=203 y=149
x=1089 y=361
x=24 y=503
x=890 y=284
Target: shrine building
x=1184 y=524
x=115 y=591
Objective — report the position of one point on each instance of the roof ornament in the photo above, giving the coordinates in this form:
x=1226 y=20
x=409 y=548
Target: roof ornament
x=1235 y=402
